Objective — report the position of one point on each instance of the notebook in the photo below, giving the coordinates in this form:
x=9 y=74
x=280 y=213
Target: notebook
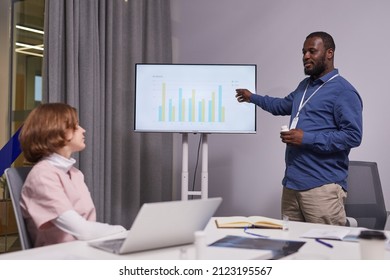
x=163 y=224
x=342 y=234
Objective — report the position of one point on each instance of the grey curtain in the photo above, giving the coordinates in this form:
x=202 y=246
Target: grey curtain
x=91 y=47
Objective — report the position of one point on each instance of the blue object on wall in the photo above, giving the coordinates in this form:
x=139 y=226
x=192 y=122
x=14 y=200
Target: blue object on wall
x=10 y=152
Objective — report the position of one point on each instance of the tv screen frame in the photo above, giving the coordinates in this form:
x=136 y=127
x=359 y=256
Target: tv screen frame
x=194 y=98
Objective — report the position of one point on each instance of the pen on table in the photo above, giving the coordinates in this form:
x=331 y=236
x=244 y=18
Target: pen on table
x=254 y=234
x=324 y=243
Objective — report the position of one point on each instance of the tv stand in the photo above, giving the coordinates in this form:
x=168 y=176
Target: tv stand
x=185 y=192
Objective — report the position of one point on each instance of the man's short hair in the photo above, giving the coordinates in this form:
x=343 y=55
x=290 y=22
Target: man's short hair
x=326 y=38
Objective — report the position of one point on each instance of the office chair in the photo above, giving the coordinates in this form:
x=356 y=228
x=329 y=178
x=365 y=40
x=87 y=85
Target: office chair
x=15 y=178
x=365 y=202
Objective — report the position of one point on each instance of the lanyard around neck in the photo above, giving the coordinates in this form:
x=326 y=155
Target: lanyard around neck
x=302 y=104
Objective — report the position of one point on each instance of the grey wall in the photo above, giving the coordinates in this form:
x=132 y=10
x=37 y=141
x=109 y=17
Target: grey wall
x=246 y=170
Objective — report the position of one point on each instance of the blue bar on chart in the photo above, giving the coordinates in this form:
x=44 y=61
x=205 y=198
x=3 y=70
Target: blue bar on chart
x=171 y=111
x=181 y=105
x=221 y=109
x=191 y=107
x=161 y=108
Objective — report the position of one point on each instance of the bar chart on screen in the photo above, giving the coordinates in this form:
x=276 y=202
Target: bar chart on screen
x=191 y=105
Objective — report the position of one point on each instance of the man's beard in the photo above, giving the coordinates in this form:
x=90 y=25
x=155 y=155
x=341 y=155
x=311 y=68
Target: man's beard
x=317 y=69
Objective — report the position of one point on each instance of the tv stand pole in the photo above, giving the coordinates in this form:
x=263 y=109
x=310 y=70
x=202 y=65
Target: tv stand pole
x=184 y=168
x=185 y=192
x=205 y=172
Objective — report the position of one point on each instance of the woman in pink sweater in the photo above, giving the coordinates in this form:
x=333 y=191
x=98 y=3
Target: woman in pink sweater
x=56 y=202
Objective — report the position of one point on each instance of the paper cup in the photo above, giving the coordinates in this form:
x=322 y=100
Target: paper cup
x=372 y=244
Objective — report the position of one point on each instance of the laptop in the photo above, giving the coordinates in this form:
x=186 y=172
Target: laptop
x=163 y=224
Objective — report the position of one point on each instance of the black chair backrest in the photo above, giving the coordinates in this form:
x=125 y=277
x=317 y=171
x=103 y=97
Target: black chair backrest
x=365 y=200
x=15 y=179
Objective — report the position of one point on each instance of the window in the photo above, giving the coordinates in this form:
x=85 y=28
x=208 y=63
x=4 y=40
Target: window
x=20 y=87
x=27 y=58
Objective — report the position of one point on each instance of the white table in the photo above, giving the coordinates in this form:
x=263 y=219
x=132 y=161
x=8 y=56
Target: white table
x=310 y=250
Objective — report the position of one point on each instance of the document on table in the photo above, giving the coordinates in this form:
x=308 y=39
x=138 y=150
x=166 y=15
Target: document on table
x=342 y=234
x=280 y=248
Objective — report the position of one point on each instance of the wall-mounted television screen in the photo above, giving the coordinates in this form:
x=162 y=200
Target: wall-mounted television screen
x=193 y=98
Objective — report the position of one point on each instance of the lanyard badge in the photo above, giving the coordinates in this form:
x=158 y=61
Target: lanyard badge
x=302 y=104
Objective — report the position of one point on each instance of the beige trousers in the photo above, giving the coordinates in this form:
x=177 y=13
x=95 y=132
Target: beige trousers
x=322 y=205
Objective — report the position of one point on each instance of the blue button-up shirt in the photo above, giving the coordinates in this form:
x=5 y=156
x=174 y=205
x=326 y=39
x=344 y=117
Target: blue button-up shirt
x=332 y=124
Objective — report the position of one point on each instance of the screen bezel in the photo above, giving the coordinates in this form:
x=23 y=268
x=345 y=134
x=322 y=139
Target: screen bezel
x=208 y=131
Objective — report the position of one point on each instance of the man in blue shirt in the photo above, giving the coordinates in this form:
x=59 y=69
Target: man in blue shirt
x=325 y=123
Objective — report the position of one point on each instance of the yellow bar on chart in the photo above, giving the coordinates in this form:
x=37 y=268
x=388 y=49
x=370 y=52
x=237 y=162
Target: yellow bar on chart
x=163 y=96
